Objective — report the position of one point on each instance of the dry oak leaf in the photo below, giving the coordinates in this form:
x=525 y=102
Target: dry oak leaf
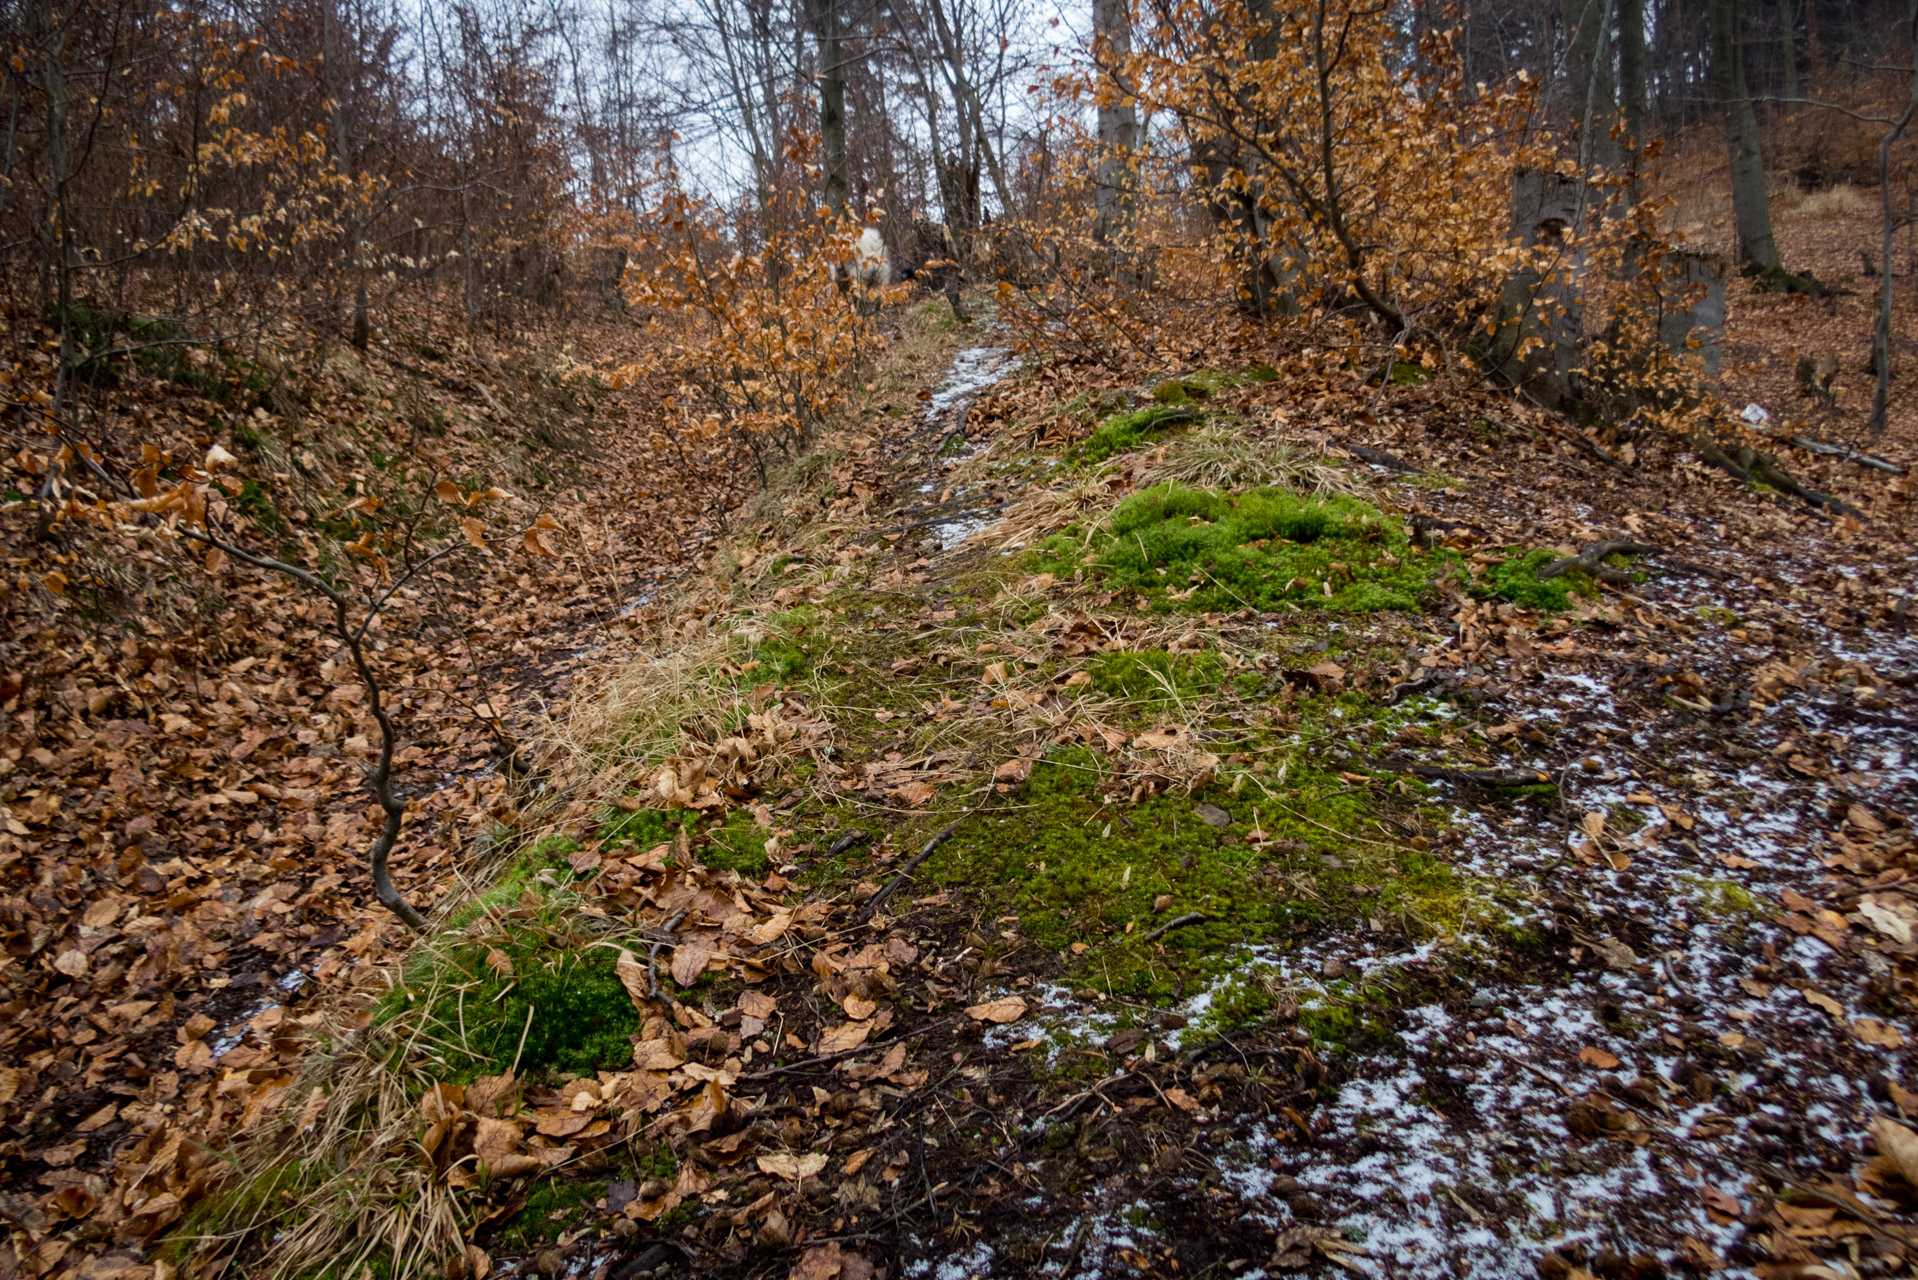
x=858 y=1008
x=493 y=1095
x=915 y=794
x=1825 y=1002
x=1898 y=1143
x=841 y=1038
x=633 y=976
x=829 y=1262
x=785 y=1164
x=659 y=1055
x=474 y=531
x=771 y=930
x=1162 y=739
x=497 y=1144
x=757 y=1004
x=1005 y=1009
x=1872 y=1031
x=1593 y=1056
x=689 y=961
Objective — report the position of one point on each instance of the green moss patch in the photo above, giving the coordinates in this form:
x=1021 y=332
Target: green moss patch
x=1122 y=432
x=1264 y=549
x=1156 y=675
x=1077 y=866
x=1516 y=580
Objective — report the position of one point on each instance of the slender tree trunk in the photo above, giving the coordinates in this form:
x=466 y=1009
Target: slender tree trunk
x=334 y=65
x=1118 y=123
x=1631 y=73
x=1588 y=71
x=824 y=17
x=1788 y=46
x=1881 y=336
x=1751 y=206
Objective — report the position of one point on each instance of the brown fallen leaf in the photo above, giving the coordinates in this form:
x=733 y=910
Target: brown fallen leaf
x=632 y=975
x=1593 y=1056
x=1872 y=1031
x=1900 y=1144
x=1013 y=772
x=786 y=1164
x=689 y=961
x=1005 y=1009
x=841 y=1038
x=1820 y=1000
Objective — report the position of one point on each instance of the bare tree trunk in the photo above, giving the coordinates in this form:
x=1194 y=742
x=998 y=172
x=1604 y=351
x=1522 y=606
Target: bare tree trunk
x=330 y=52
x=1118 y=123
x=1751 y=206
x=824 y=17
x=1540 y=319
x=1588 y=69
x=1881 y=336
x=1787 y=41
x=1631 y=73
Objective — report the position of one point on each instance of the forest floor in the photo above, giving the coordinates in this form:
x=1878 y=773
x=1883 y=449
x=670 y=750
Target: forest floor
x=979 y=859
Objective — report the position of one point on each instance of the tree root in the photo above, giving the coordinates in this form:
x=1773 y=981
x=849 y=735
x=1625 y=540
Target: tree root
x=1592 y=561
x=1748 y=465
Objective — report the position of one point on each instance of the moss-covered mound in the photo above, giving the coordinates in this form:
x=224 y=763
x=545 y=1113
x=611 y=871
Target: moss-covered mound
x=1264 y=549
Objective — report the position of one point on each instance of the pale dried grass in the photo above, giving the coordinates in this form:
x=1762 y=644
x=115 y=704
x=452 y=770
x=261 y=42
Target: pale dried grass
x=1219 y=456
x=1844 y=200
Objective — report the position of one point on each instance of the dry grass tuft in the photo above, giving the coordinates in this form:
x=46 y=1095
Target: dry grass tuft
x=1844 y=200
x=1219 y=456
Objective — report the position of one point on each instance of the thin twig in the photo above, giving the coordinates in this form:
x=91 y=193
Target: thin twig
x=878 y=900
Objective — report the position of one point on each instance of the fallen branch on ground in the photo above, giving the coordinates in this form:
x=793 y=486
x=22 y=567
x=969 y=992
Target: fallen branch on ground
x=1380 y=458
x=1747 y=465
x=1592 y=561
x=878 y=900
x=1482 y=777
x=1180 y=922
x=1847 y=454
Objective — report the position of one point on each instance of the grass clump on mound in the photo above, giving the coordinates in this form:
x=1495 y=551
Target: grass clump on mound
x=517 y=983
x=1263 y=549
x=1123 y=431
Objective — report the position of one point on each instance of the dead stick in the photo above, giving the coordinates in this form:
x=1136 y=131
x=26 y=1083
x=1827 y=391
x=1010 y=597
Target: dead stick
x=878 y=900
x=824 y=1058
x=1179 y=922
